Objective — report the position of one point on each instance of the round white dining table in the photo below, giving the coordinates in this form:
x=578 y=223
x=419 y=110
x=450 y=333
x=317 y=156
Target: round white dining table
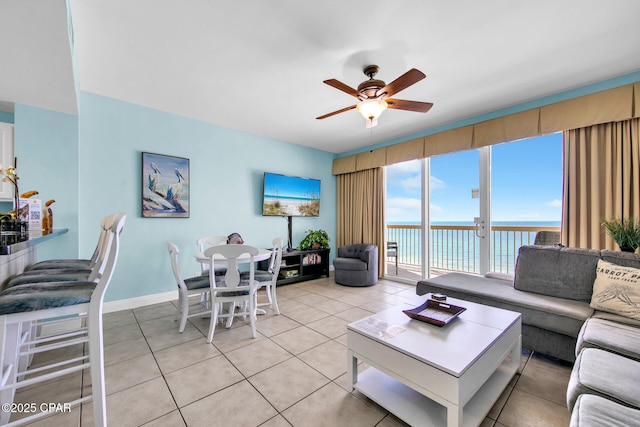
x=244 y=258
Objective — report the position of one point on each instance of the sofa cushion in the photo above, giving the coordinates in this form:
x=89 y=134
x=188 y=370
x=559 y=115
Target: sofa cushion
x=591 y=410
x=626 y=259
x=615 y=318
x=557 y=271
x=546 y=312
x=605 y=374
x=617 y=290
x=617 y=337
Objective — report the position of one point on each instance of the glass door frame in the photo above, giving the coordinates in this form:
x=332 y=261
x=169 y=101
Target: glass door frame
x=484 y=226
x=426 y=218
x=484 y=219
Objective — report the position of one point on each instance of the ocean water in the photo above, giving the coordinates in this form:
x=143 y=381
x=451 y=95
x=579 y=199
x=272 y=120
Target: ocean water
x=506 y=223
x=459 y=250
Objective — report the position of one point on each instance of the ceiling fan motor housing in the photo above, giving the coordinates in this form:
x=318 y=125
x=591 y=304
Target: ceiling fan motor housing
x=369 y=87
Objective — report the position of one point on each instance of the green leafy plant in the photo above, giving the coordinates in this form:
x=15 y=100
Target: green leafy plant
x=315 y=236
x=624 y=231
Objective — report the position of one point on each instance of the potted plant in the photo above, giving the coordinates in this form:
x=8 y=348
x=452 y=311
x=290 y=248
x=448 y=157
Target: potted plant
x=315 y=239
x=624 y=231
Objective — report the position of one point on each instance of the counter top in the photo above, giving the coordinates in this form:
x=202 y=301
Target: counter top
x=7 y=249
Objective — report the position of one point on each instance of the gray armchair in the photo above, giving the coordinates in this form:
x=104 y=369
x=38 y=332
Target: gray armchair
x=356 y=265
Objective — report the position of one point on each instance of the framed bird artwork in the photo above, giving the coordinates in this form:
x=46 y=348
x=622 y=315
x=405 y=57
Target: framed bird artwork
x=165 y=186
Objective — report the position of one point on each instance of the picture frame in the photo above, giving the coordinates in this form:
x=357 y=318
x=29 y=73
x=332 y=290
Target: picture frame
x=165 y=186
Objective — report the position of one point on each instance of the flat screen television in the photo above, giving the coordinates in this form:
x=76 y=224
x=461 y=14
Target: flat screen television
x=290 y=196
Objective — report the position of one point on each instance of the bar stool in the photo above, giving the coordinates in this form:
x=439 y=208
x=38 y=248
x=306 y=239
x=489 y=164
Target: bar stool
x=24 y=308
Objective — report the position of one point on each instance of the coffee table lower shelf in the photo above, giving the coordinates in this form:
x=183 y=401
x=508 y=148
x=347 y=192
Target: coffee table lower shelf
x=418 y=410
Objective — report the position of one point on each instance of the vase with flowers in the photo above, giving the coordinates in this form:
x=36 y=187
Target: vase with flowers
x=10 y=222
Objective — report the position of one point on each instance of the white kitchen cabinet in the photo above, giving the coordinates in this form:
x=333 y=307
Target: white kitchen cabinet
x=6 y=159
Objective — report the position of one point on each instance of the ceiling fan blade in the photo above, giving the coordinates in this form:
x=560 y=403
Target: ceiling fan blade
x=404 y=81
x=417 y=106
x=343 y=87
x=336 y=112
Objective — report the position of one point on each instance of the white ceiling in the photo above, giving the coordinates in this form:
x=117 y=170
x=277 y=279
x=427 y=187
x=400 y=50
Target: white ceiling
x=258 y=65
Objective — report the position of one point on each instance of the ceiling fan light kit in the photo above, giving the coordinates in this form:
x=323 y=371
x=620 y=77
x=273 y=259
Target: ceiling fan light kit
x=371 y=108
x=374 y=95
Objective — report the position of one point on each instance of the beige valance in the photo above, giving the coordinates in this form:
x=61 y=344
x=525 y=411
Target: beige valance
x=507 y=128
x=611 y=105
x=607 y=106
x=405 y=151
x=459 y=139
x=344 y=165
x=371 y=159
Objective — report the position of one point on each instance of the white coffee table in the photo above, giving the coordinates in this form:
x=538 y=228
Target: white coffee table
x=429 y=375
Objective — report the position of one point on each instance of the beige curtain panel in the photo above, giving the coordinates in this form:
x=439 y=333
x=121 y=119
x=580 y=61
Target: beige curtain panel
x=601 y=181
x=361 y=210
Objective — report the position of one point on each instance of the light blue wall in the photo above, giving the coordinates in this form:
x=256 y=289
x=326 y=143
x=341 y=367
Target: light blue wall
x=46 y=145
x=6 y=117
x=226 y=176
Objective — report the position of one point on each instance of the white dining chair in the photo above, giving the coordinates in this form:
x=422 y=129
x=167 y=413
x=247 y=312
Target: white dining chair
x=232 y=289
x=208 y=241
x=197 y=285
x=268 y=278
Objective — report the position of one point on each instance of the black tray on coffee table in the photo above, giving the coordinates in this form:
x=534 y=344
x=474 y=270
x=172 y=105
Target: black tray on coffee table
x=435 y=312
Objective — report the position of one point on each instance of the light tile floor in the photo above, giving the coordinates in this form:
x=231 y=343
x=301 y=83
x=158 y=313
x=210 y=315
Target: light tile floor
x=292 y=374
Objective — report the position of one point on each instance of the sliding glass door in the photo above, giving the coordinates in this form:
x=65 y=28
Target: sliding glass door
x=472 y=210
x=526 y=195
x=454 y=238
x=404 y=204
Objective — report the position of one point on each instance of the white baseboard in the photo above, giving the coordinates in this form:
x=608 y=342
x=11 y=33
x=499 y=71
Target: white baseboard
x=131 y=303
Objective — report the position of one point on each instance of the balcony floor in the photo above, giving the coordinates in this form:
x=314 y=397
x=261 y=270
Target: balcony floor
x=410 y=271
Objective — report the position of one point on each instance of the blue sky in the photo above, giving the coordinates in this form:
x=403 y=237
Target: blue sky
x=526 y=184
x=291 y=187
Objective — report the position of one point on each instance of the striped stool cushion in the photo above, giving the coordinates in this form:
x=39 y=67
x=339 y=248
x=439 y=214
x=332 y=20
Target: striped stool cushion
x=259 y=275
x=48 y=276
x=74 y=264
x=197 y=282
x=41 y=296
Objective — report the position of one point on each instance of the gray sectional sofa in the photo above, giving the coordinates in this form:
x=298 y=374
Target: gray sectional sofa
x=552 y=289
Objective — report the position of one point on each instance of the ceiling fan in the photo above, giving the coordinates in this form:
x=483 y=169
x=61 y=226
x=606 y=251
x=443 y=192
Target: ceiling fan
x=375 y=95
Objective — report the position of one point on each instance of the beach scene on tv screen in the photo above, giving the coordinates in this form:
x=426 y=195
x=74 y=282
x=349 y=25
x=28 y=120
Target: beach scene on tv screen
x=291 y=196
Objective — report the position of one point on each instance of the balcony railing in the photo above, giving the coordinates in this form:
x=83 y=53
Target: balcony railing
x=457 y=248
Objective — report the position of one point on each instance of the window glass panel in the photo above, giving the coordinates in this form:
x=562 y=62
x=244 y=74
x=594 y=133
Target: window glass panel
x=404 y=219
x=526 y=196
